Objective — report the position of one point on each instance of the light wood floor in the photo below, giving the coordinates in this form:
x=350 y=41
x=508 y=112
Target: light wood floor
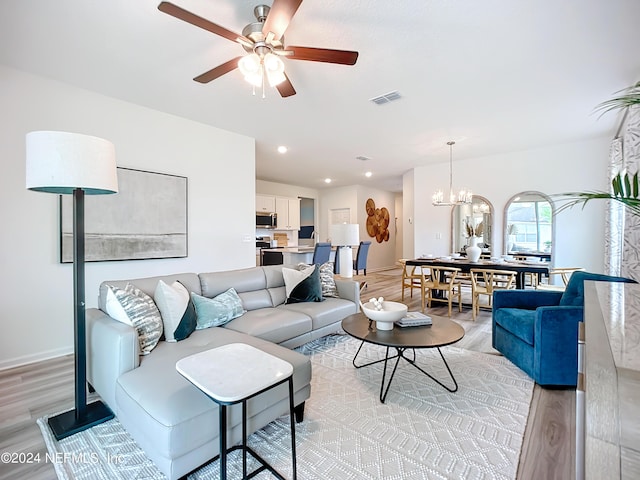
x=27 y=393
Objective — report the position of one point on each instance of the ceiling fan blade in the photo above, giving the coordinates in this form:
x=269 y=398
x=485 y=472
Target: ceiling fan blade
x=218 y=71
x=193 y=19
x=343 y=57
x=279 y=17
x=285 y=88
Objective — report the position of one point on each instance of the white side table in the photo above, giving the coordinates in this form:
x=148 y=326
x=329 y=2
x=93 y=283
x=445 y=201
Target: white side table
x=233 y=374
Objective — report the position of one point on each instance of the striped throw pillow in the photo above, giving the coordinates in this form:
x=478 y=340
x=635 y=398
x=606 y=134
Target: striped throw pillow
x=141 y=312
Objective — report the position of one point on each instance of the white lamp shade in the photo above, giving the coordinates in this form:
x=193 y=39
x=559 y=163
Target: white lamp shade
x=60 y=162
x=345 y=234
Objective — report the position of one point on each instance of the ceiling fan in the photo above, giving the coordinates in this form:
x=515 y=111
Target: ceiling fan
x=264 y=42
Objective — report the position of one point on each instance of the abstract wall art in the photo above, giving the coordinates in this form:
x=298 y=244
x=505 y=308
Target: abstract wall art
x=146 y=219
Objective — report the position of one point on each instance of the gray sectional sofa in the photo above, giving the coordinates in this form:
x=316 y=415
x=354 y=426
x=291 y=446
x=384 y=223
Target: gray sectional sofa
x=174 y=423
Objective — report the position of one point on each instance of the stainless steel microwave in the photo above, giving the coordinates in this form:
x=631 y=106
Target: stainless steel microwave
x=266 y=220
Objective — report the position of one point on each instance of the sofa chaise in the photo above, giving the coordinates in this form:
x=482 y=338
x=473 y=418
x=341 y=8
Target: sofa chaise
x=174 y=422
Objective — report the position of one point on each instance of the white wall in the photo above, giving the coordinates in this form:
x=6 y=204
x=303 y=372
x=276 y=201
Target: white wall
x=581 y=166
x=398 y=225
x=284 y=190
x=37 y=297
x=381 y=255
x=408 y=212
x=335 y=198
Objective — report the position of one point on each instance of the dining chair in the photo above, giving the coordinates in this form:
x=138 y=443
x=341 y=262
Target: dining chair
x=485 y=282
x=441 y=281
x=564 y=273
x=360 y=263
x=530 y=279
x=411 y=277
x=321 y=253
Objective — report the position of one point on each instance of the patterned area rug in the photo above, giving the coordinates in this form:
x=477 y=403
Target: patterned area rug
x=421 y=432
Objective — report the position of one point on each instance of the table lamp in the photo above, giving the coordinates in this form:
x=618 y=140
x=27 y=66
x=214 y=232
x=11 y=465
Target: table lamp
x=343 y=237
x=74 y=164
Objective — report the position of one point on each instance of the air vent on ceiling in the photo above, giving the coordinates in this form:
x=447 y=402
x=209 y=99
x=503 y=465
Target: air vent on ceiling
x=362 y=158
x=386 y=98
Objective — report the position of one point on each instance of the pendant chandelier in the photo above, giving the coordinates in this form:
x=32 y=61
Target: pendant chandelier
x=462 y=197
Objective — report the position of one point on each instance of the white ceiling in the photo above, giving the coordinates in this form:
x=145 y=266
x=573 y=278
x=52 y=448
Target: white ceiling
x=494 y=75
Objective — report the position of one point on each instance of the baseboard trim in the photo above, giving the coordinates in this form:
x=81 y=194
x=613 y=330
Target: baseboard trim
x=34 y=358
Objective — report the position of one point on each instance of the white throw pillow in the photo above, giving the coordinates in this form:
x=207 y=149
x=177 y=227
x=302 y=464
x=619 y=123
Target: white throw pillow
x=294 y=277
x=115 y=310
x=177 y=311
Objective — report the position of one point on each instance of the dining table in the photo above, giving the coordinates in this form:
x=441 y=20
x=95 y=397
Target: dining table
x=545 y=256
x=521 y=267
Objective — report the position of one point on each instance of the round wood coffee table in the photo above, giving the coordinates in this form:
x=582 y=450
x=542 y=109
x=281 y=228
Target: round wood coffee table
x=441 y=333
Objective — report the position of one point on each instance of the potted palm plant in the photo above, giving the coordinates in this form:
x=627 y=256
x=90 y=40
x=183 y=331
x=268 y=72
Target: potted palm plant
x=624 y=184
x=625 y=191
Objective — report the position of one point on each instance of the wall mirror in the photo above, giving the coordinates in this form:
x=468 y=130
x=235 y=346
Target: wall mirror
x=529 y=224
x=479 y=215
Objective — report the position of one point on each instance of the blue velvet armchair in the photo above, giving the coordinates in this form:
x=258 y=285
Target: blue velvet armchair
x=538 y=330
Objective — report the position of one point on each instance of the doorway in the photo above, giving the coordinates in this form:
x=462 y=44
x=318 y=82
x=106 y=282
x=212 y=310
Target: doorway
x=307 y=233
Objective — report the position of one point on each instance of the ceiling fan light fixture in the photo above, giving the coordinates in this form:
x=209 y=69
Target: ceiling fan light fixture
x=254 y=79
x=251 y=67
x=273 y=64
x=250 y=64
x=274 y=68
x=259 y=39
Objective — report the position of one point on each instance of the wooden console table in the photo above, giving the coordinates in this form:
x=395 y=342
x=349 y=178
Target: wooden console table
x=610 y=386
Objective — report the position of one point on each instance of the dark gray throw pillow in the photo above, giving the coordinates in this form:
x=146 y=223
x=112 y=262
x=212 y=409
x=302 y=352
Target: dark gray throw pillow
x=308 y=290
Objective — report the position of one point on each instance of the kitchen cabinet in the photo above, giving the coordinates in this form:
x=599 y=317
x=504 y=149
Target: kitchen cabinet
x=265 y=203
x=288 y=210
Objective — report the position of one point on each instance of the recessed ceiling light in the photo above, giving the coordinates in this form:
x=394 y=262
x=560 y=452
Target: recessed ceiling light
x=327 y=180
x=282 y=149
x=368 y=174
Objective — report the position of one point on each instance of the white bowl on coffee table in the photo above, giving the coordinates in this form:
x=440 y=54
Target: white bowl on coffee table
x=391 y=312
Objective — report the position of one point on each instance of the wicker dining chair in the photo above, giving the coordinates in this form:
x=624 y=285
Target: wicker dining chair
x=485 y=282
x=443 y=280
x=564 y=273
x=411 y=277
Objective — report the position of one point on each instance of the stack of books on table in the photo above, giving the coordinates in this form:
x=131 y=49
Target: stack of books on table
x=414 y=319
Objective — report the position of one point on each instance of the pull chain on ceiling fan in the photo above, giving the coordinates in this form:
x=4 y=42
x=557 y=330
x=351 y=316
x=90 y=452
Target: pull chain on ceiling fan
x=264 y=42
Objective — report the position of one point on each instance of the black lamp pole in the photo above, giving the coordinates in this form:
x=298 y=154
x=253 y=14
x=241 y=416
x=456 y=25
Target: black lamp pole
x=83 y=416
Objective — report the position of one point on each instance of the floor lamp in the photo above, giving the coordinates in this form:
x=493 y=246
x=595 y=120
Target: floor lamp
x=70 y=163
x=343 y=237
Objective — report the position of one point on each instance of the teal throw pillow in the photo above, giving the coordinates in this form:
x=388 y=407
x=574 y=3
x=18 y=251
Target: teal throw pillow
x=215 y=312
x=308 y=290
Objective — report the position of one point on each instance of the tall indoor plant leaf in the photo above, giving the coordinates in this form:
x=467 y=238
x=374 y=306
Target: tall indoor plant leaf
x=625 y=188
x=625 y=191
x=627 y=97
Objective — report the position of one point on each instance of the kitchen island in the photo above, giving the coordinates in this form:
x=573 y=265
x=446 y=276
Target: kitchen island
x=291 y=255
